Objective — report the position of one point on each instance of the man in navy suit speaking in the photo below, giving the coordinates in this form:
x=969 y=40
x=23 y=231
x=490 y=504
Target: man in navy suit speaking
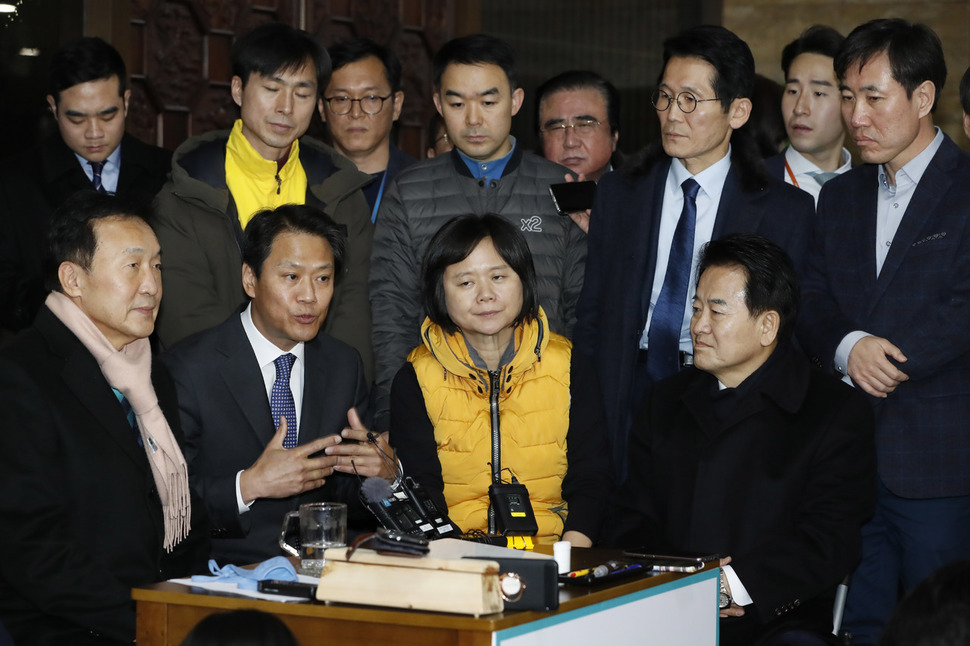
x=887 y=300
x=269 y=403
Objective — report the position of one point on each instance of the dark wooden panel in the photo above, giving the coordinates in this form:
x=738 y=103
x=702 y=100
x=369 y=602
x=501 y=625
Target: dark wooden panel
x=182 y=49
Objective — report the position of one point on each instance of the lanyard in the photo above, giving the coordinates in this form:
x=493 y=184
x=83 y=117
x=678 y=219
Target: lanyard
x=791 y=175
x=380 y=193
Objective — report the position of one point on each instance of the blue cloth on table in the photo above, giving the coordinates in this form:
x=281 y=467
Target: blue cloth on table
x=278 y=567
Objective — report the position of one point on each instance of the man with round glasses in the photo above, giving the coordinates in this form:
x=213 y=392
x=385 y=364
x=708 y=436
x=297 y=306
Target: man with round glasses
x=221 y=179
x=648 y=222
x=360 y=105
x=578 y=119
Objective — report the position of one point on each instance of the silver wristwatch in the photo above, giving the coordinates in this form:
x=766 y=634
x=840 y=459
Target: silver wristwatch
x=725 y=598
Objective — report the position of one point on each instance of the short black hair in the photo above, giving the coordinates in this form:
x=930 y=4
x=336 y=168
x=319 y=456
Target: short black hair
x=817 y=39
x=276 y=47
x=240 y=628
x=84 y=60
x=454 y=241
x=914 y=50
x=357 y=49
x=770 y=279
x=965 y=91
x=934 y=613
x=71 y=238
x=266 y=225
x=476 y=49
x=730 y=57
x=582 y=80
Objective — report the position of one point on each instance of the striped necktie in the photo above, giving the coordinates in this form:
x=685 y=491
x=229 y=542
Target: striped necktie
x=129 y=415
x=96 y=168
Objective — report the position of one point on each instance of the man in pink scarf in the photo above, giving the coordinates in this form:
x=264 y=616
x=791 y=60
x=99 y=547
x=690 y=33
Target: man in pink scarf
x=94 y=495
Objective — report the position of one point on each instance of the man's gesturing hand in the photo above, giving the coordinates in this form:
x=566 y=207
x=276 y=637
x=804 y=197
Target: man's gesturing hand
x=280 y=472
x=361 y=454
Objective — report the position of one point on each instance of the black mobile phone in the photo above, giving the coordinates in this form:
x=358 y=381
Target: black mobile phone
x=644 y=553
x=668 y=563
x=288 y=588
x=570 y=197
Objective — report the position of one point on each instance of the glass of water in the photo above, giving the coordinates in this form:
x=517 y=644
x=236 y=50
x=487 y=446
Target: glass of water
x=322 y=525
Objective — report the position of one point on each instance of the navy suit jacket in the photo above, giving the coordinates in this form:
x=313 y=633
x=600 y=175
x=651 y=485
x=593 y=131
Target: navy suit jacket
x=227 y=422
x=920 y=302
x=622 y=257
x=776 y=165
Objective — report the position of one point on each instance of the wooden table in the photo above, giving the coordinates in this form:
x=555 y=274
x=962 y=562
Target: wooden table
x=665 y=609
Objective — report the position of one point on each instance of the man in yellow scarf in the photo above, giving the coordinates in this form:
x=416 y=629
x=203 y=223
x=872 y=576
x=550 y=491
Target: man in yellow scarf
x=220 y=179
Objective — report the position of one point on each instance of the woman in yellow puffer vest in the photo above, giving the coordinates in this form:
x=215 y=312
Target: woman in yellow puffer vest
x=490 y=366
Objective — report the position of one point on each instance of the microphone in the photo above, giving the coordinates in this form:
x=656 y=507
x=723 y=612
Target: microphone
x=375 y=491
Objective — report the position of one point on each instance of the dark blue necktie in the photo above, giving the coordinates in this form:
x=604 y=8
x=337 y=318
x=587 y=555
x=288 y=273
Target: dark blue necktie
x=281 y=399
x=96 y=168
x=663 y=337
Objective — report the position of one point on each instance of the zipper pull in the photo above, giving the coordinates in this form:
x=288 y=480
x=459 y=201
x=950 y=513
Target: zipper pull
x=279 y=183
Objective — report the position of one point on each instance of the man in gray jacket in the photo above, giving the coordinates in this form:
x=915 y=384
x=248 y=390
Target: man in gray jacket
x=486 y=172
x=221 y=179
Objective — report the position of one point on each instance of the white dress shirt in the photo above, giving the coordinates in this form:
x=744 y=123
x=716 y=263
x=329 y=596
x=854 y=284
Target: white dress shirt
x=804 y=171
x=266 y=354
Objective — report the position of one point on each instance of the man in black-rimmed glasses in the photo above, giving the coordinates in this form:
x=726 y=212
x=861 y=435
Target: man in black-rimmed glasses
x=360 y=105
x=705 y=180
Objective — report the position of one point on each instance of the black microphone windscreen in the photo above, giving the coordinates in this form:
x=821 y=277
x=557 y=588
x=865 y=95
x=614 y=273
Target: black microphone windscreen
x=375 y=489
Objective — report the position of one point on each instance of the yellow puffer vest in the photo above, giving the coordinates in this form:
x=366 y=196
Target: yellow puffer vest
x=533 y=404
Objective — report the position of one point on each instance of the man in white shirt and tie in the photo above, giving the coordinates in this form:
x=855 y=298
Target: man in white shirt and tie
x=271 y=406
x=812 y=108
x=88 y=98
x=633 y=315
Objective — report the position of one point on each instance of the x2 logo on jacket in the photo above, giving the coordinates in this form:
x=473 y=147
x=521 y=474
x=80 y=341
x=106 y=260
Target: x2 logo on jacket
x=532 y=224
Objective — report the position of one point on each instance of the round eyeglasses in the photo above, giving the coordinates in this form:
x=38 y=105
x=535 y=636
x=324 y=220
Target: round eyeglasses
x=686 y=101
x=371 y=104
x=580 y=127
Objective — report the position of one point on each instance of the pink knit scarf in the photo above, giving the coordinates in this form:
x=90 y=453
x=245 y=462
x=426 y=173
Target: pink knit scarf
x=129 y=370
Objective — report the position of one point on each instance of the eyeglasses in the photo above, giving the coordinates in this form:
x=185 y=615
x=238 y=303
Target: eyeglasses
x=686 y=101
x=371 y=104
x=581 y=128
